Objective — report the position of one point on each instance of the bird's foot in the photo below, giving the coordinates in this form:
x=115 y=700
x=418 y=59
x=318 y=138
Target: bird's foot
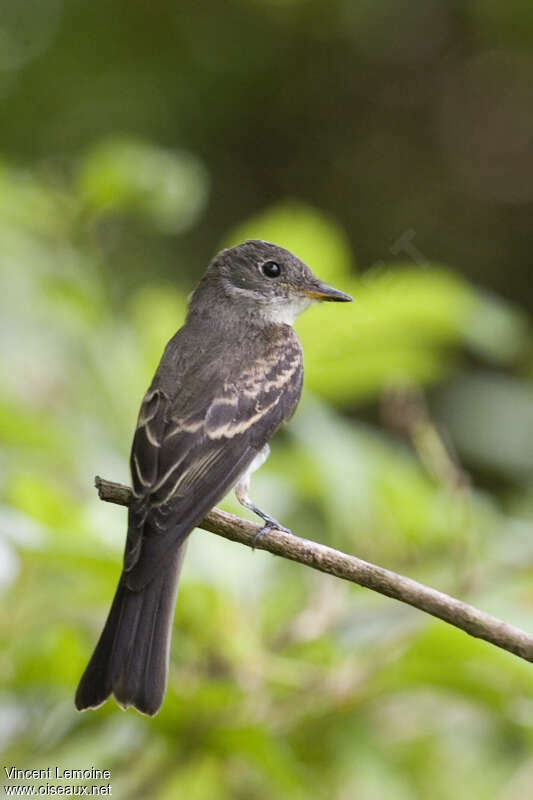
x=271 y=524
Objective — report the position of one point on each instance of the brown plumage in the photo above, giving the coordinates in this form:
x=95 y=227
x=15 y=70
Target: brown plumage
x=225 y=383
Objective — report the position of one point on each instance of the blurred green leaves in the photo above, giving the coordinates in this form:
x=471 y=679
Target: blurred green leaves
x=167 y=189
x=283 y=683
x=318 y=240
x=29 y=201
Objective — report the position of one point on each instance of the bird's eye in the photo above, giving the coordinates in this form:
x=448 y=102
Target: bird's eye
x=271 y=269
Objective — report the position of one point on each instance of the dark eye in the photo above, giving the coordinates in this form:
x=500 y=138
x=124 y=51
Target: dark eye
x=271 y=269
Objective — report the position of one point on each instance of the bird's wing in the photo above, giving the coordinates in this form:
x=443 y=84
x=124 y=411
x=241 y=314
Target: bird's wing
x=188 y=452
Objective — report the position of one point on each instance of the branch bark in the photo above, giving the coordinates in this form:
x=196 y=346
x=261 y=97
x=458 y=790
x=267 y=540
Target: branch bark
x=463 y=616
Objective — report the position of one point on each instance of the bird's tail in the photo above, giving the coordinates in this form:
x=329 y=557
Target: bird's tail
x=131 y=657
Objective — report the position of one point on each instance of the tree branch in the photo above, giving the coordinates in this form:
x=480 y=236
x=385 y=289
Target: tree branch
x=349 y=568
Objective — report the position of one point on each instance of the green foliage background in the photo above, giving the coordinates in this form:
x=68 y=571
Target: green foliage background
x=114 y=192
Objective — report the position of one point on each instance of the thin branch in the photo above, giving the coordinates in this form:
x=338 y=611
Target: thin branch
x=349 y=568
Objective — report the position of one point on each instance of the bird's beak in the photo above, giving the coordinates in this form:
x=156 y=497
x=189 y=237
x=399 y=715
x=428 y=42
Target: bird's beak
x=321 y=291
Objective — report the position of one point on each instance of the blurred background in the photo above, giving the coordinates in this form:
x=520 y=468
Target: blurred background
x=389 y=144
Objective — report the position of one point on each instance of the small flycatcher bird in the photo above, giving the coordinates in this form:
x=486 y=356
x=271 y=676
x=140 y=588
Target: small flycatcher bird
x=227 y=380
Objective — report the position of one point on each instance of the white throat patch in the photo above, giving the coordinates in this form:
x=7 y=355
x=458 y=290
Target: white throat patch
x=286 y=312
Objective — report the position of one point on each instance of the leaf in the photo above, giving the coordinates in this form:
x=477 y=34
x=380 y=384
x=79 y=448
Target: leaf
x=315 y=238
x=166 y=188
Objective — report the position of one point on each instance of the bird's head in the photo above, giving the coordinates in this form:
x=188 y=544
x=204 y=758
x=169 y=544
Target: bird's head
x=270 y=281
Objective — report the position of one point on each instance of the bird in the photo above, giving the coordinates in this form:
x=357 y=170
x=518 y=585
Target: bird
x=226 y=382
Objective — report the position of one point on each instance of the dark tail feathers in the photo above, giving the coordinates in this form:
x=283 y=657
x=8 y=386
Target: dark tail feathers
x=131 y=657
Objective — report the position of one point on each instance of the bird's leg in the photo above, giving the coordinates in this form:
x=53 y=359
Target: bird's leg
x=241 y=493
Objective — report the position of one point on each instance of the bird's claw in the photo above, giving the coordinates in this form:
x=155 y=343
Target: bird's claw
x=270 y=525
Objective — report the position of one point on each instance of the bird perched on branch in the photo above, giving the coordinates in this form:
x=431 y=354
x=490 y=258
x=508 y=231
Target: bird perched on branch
x=227 y=380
